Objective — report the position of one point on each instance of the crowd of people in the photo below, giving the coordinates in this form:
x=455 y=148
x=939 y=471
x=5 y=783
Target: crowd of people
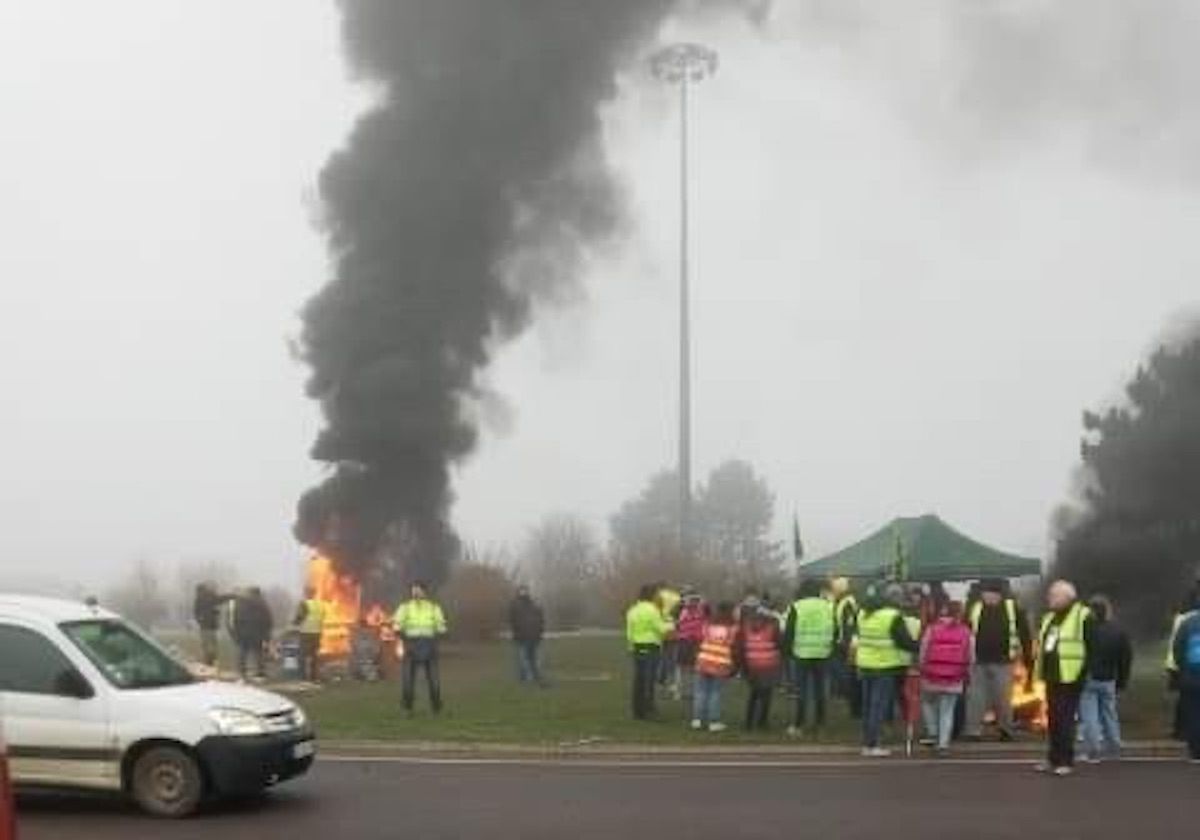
x=908 y=654
x=895 y=653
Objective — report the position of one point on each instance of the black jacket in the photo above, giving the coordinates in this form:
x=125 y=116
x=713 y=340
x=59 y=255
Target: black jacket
x=992 y=643
x=252 y=621
x=1109 y=654
x=1189 y=676
x=206 y=609
x=526 y=620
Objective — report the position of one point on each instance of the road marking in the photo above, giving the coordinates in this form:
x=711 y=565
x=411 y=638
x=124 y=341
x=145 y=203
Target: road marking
x=684 y=764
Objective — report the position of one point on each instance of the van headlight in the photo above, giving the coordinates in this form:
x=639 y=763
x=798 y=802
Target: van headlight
x=299 y=718
x=237 y=722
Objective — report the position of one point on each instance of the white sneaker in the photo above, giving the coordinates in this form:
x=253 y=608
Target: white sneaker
x=878 y=752
x=1063 y=771
x=867 y=752
x=697 y=724
x=717 y=727
x=1042 y=767
x=1094 y=759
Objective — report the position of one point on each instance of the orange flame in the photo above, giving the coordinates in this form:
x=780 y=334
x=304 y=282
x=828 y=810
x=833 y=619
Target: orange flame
x=1029 y=705
x=342 y=596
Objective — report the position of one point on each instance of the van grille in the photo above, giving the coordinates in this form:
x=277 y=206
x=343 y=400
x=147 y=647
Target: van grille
x=284 y=721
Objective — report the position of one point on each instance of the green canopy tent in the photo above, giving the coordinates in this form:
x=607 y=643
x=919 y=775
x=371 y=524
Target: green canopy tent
x=922 y=548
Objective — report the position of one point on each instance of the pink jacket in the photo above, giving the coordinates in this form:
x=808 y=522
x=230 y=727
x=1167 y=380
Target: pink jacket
x=946 y=654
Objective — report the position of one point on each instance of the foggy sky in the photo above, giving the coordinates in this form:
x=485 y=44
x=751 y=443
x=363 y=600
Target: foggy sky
x=919 y=255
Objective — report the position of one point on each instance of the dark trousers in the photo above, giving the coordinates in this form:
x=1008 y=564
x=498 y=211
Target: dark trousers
x=645 y=675
x=429 y=664
x=810 y=679
x=1189 y=700
x=310 y=645
x=248 y=651
x=846 y=682
x=758 y=705
x=1062 y=701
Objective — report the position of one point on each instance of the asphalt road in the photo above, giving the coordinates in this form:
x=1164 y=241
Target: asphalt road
x=897 y=800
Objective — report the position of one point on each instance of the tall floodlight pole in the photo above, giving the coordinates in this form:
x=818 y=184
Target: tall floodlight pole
x=684 y=65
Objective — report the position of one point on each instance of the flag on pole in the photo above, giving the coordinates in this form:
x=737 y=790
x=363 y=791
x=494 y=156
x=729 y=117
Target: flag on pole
x=900 y=567
x=797 y=544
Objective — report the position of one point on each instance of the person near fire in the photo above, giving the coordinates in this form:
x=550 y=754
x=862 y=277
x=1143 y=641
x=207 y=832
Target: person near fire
x=310 y=621
x=527 y=623
x=420 y=624
x=1109 y=662
x=1061 y=664
x=810 y=631
x=251 y=625
x=947 y=652
x=715 y=665
x=206 y=610
x=1002 y=639
x=645 y=630
x=1185 y=650
x=757 y=655
x=842 y=672
x=881 y=648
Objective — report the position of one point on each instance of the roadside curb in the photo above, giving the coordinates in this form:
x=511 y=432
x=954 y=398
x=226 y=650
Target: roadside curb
x=657 y=752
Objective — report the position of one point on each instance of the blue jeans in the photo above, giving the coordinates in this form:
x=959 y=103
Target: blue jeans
x=707 y=700
x=529 y=669
x=1098 y=715
x=879 y=696
x=937 y=707
x=810 y=677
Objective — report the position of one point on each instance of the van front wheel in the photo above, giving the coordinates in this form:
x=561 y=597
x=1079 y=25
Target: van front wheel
x=167 y=782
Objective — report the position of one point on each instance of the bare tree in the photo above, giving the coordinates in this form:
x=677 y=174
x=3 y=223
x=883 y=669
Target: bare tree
x=139 y=596
x=561 y=561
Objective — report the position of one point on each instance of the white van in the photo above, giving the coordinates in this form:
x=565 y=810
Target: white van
x=89 y=701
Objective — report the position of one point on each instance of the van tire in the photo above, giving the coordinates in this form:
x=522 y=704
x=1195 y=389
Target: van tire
x=166 y=781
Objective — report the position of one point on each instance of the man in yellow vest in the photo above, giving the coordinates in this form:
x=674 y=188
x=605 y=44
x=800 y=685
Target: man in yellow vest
x=645 y=630
x=419 y=622
x=1002 y=637
x=668 y=599
x=808 y=638
x=1062 y=654
x=842 y=673
x=882 y=647
x=310 y=621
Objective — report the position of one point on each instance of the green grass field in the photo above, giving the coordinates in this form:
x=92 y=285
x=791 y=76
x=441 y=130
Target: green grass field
x=588 y=701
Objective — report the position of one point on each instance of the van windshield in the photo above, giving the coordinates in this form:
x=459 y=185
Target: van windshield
x=126 y=657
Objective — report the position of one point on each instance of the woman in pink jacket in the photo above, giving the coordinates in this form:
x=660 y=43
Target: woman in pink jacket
x=947 y=651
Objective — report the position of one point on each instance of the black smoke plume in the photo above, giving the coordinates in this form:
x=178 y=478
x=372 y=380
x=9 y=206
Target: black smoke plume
x=462 y=198
x=1134 y=533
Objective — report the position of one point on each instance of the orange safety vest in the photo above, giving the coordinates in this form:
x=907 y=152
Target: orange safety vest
x=762 y=649
x=715 y=657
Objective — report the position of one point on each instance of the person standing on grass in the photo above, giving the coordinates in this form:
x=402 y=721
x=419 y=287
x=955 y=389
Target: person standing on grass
x=251 y=626
x=527 y=623
x=668 y=600
x=1185 y=646
x=206 y=610
x=882 y=649
x=645 y=631
x=689 y=631
x=420 y=624
x=843 y=673
x=714 y=667
x=757 y=655
x=1001 y=632
x=808 y=640
x=947 y=653
x=1109 y=660
x=310 y=621
x=1062 y=656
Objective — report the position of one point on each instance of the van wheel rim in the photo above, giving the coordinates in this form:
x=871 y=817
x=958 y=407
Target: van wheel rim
x=167 y=781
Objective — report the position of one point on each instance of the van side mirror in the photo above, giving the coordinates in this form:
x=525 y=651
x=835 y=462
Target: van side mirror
x=71 y=683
